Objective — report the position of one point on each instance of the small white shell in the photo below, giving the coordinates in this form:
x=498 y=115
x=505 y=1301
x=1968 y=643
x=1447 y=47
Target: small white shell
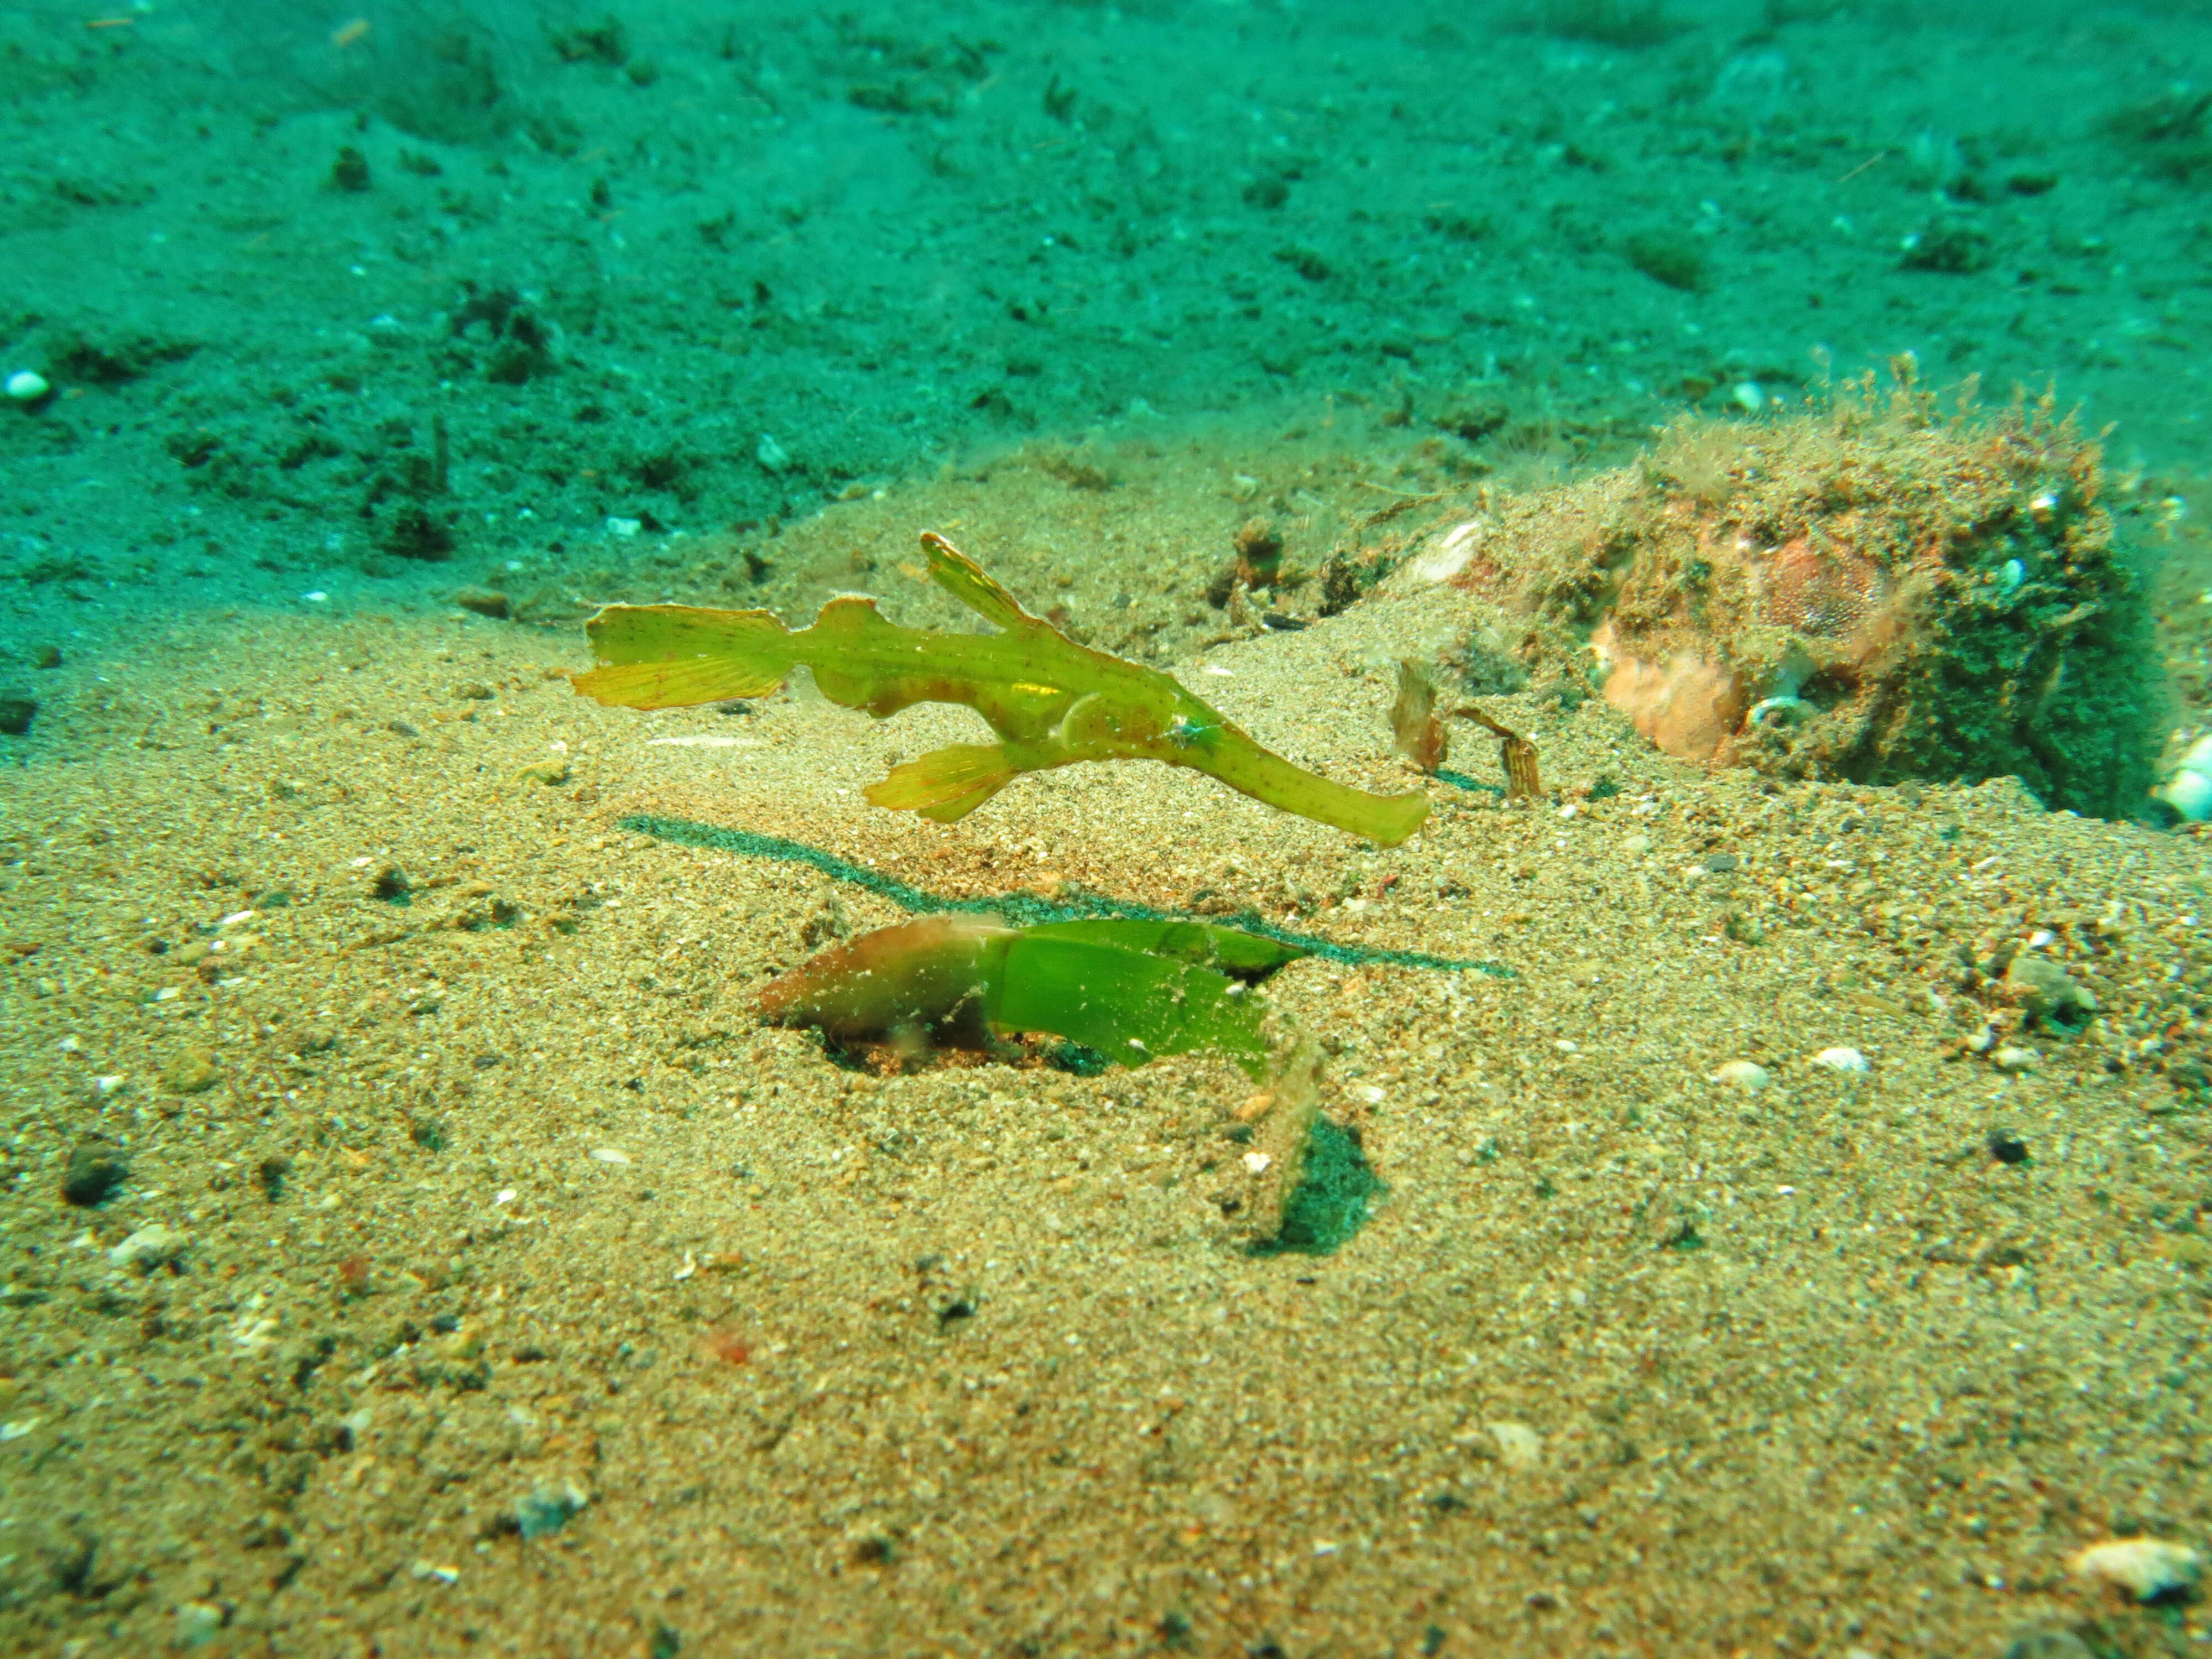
x=1843 y=1059
x=26 y=385
x=2147 y=1568
x=1450 y=556
x=1519 y=1446
x=2189 y=792
x=1744 y=1073
x=1777 y=713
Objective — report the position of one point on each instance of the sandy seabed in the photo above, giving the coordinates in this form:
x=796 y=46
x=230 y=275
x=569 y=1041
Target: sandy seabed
x=510 y=1288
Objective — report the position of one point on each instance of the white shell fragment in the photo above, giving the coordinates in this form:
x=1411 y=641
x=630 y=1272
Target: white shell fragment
x=1519 y=1446
x=609 y=1154
x=2189 y=791
x=1448 y=555
x=2147 y=1568
x=1744 y=1073
x=152 y=1246
x=1843 y=1059
x=27 y=385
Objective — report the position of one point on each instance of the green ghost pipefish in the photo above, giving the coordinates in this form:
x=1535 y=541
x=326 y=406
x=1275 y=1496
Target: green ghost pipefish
x=1130 y=990
x=1052 y=701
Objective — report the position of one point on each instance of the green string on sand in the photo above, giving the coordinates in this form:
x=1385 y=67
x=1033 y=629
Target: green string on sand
x=1022 y=909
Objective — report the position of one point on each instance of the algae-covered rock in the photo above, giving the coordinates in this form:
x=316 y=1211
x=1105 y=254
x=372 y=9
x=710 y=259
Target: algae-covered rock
x=1874 y=591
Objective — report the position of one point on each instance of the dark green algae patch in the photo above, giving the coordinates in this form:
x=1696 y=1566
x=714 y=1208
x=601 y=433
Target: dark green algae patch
x=1337 y=1190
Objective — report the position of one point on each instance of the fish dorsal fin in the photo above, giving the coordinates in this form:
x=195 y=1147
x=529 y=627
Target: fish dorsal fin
x=962 y=577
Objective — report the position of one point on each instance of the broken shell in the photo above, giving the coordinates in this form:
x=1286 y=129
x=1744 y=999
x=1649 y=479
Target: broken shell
x=1778 y=714
x=1744 y=1073
x=2147 y=1568
x=2043 y=990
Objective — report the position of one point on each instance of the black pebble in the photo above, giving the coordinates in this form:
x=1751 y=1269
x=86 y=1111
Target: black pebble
x=2006 y=1147
x=15 y=715
x=95 y=1172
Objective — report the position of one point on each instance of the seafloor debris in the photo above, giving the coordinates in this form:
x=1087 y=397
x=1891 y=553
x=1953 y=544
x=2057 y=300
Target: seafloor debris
x=1051 y=701
x=1515 y=753
x=2147 y=1568
x=1419 y=734
x=1875 y=591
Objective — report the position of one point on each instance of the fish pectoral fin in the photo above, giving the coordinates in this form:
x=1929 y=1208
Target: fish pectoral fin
x=945 y=784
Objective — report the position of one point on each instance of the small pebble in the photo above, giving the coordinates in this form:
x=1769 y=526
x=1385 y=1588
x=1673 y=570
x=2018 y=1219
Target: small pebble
x=485 y=602
x=1842 y=1060
x=473 y=691
x=193 y=1073
x=2043 y=990
x=198 y=1623
x=548 y=1508
x=2147 y=1568
x=2014 y=1058
x=609 y=1154
x=155 y=1245
x=1744 y=1073
x=1519 y=1446
x=16 y=713
x=2006 y=1147
x=94 y=1171
x=27 y=385
x=2043 y=1642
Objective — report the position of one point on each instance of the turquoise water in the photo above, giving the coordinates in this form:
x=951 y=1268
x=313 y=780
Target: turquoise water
x=325 y=303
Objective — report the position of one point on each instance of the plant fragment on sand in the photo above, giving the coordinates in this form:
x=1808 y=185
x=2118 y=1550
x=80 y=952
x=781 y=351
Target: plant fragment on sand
x=1051 y=701
x=1514 y=751
x=1419 y=735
